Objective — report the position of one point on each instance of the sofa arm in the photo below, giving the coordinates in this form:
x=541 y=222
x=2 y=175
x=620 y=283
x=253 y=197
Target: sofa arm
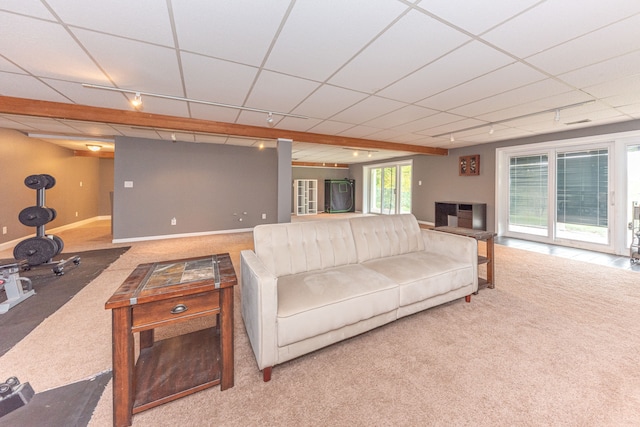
x=454 y=246
x=259 y=295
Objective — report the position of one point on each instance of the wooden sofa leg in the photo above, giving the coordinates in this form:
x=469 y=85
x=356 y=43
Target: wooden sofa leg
x=266 y=374
x=467 y=298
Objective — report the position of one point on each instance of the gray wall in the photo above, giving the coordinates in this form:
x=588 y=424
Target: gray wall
x=206 y=187
x=320 y=174
x=22 y=156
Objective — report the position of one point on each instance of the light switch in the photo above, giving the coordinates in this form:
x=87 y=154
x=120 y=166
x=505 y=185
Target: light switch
x=128 y=184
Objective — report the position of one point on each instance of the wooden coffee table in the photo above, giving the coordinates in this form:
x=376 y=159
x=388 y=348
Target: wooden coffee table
x=162 y=294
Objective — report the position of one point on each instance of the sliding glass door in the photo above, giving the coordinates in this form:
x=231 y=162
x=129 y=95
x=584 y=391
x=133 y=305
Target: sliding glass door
x=557 y=195
x=389 y=188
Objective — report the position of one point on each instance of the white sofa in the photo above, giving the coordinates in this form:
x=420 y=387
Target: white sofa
x=311 y=284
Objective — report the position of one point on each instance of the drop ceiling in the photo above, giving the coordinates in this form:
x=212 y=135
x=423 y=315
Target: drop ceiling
x=440 y=73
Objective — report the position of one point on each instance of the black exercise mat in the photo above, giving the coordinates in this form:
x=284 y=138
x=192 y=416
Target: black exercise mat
x=71 y=405
x=52 y=292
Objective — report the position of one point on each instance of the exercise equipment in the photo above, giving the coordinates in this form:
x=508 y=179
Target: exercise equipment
x=42 y=248
x=13 y=285
x=14 y=395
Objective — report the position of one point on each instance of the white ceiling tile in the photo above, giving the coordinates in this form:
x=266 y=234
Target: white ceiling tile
x=602 y=72
x=451 y=128
x=208 y=27
x=8 y=122
x=33 y=8
x=393 y=54
x=211 y=139
x=330 y=127
x=367 y=109
x=23 y=86
x=46 y=125
x=278 y=92
x=86 y=96
x=404 y=115
x=146 y=20
x=136 y=132
x=320 y=36
x=502 y=80
x=519 y=96
x=208 y=79
x=89 y=128
x=463 y=64
x=44 y=49
x=8 y=67
x=476 y=16
x=134 y=65
x=429 y=122
x=327 y=101
x=616 y=87
x=591 y=48
x=359 y=131
x=556 y=21
x=217 y=114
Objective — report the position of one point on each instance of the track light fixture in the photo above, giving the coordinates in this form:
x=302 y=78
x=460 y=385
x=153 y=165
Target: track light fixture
x=270 y=121
x=137 y=101
x=491 y=130
x=451 y=138
x=551 y=110
x=138 y=97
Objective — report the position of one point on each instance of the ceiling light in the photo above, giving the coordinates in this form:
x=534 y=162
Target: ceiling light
x=369 y=154
x=355 y=153
x=270 y=122
x=491 y=130
x=137 y=101
x=196 y=101
x=94 y=147
x=451 y=138
x=261 y=146
x=557 y=116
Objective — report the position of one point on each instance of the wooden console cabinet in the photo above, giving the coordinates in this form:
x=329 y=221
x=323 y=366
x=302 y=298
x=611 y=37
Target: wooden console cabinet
x=162 y=294
x=467 y=215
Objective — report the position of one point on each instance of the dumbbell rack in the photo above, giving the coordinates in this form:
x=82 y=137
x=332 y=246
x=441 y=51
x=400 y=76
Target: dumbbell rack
x=41 y=249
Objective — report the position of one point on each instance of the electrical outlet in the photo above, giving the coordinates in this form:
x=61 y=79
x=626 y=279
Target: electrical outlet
x=173 y=221
x=264 y=216
x=4 y=230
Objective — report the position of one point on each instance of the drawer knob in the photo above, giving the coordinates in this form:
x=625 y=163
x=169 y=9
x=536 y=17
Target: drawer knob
x=180 y=308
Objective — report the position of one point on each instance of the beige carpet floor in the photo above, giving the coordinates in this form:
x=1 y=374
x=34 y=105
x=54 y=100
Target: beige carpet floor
x=556 y=343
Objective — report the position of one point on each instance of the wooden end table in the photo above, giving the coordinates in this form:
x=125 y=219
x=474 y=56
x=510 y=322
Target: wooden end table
x=162 y=294
x=479 y=235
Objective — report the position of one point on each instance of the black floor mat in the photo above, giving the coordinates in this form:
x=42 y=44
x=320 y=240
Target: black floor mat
x=71 y=405
x=52 y=292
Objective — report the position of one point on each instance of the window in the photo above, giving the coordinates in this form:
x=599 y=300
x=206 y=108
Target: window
x=556 y=193
x=389 y=188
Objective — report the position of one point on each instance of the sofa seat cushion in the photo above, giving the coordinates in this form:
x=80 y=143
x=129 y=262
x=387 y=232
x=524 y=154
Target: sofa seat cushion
x=316 y=302
x=422 y=275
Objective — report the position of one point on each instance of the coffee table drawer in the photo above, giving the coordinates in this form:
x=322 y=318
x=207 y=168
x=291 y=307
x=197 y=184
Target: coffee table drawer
x=154 y=314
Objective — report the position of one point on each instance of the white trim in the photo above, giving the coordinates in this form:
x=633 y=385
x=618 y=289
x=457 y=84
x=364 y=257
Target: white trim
x=11 y=243
x=180 y=235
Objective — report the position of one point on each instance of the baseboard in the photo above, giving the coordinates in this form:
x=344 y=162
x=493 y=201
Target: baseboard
x=177 y=236
x=55 y=230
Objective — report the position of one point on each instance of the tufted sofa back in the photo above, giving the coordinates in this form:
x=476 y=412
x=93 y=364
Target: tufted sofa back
x=386 y=235
x=304 y=246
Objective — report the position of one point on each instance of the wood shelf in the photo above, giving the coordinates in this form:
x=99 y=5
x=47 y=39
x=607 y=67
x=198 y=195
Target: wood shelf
x=175 y=367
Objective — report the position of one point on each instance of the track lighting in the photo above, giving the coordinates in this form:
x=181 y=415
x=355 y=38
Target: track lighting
x=137 y=101
x=510 y=119
x=138 y=95
x=491 y=130
x=451 y=138
x=270 y=121
x=369 y=154
x=94 y=147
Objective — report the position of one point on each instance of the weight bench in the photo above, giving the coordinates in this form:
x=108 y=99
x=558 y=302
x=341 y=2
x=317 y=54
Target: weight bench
x=12 y=282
